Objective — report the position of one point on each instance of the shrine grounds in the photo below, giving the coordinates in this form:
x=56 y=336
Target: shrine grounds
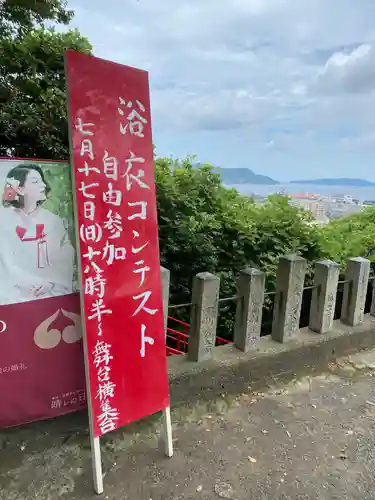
x=310 y=436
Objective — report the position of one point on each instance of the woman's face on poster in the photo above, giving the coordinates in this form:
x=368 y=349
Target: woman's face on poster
x=34 y=189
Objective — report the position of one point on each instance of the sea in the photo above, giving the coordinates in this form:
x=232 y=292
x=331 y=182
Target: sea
x=358 y=193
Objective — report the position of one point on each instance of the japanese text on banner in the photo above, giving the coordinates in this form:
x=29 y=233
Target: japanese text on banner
x=101 y=253
x=132 y=122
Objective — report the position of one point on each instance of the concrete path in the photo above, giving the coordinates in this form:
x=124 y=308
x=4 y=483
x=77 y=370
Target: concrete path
x=308 y=439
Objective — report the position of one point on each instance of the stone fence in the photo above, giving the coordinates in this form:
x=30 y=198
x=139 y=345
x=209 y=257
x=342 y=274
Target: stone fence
x=288 y=294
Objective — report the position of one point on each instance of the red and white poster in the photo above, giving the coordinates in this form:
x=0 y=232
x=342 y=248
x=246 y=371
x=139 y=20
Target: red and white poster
x=118 y=237
x=41 y=368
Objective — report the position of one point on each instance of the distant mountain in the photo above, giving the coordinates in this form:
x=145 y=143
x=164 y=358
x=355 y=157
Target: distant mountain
x=242 y=176
x=336 y=182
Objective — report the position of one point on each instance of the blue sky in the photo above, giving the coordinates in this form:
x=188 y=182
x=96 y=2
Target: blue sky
x=284 y=87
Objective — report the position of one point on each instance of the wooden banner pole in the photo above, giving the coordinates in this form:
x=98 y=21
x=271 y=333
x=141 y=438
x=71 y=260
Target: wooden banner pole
x=96 y=464
x=167 y=432
x=94 y=441
x=96 y=457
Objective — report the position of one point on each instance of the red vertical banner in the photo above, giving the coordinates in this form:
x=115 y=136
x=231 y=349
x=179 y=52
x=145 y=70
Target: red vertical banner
x=117 y=228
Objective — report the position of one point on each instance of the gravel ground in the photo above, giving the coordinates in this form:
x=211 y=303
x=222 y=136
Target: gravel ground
x=311 y=438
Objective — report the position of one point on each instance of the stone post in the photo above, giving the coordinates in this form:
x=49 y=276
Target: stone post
x=372 y=310
x=204 y=313
x=323 y=301
x=355 y=292
x=249 y=308
x=290 y=281
x=165 y=279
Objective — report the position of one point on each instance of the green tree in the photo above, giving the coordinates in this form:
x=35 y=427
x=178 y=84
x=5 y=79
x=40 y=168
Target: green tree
x=350 y=236
x=19 y=16
x=33 y=114
x=204 y=226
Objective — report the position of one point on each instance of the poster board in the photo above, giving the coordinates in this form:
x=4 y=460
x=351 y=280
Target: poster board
x=41 y=368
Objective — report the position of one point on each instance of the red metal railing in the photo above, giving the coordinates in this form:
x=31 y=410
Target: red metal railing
x=180 y=338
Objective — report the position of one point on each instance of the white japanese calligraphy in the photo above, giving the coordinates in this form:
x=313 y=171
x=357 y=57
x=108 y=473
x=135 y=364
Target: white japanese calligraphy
x=112 y=196
x=142 y=306
x=91 y=233
x=89 y=210
x=90 y=253
x=113 y=224
x=99 y=309
x=139 y=249
x=142 y=271
x=102 y=353
x=112 y=253
x=107 y=419
x=86 y=169
x=100 y=329
x=85 y=187
x=110 y=166
x=104 y=373
x=86 y=147
x=145 y=340
x=83 y=128
x=135 y=121
x=95 y=285
x=140 y=215
x=131 y=177
x=106 y=390
x=93 y=265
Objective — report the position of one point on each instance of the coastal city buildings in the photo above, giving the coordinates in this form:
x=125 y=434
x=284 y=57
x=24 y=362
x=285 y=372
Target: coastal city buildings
x=323 y=208
x=312 y=203
x=326 y=208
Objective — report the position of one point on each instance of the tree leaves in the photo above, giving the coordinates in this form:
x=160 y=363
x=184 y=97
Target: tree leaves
x=33 y=113
x=17 y=17
x=350 y=236
x=204 y=226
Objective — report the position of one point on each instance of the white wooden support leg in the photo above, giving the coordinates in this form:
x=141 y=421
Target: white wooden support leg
x=167 y=432
x=97 y=465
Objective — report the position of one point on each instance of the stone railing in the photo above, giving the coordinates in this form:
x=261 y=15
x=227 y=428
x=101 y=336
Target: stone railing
x=288 y=294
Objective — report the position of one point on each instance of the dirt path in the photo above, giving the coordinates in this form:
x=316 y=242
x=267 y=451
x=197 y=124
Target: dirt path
x=309 y=439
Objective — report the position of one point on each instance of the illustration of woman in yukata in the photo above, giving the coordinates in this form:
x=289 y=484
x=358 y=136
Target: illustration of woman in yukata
x=36 y=256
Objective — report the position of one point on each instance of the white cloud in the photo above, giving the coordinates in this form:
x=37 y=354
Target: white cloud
x=361 y=142
x=352 y=72
x=284 y=73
